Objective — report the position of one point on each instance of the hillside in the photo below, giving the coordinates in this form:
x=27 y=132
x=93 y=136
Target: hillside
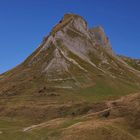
x=135 y=63
x=73 y=75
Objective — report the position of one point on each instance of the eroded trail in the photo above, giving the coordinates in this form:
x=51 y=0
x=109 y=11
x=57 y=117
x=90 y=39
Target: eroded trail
x=49 y=124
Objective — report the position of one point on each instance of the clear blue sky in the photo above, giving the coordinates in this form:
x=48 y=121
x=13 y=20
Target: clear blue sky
x=23 y=24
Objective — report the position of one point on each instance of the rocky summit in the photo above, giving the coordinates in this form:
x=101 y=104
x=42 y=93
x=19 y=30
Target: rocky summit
x=71 y=85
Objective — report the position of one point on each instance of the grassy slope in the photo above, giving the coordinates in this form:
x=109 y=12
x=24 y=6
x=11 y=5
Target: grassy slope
x=12 y=128
x=70 y=128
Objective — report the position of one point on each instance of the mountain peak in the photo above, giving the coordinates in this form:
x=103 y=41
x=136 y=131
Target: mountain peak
x=72 y=51
x=70 y=19
x=100 y=35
